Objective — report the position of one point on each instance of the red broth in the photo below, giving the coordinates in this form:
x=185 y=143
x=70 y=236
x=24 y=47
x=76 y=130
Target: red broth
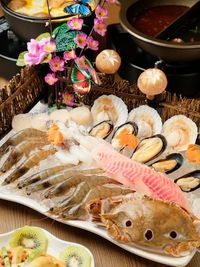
x=153 y=20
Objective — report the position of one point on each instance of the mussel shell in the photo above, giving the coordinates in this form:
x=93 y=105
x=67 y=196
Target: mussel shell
x=194 y=174
x=98 y=131
x=136 y=156
x=134 y=131
x=174 y=156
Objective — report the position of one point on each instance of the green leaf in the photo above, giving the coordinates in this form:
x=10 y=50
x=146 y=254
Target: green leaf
x=63 y=27
x=43 y=35
x=46 y=60
x=20 y=60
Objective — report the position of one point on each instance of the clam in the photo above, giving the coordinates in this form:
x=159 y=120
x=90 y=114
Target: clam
x=189 y=182
x=171 y=163
x=149 y=148
x=102 y=129
x=124 y=136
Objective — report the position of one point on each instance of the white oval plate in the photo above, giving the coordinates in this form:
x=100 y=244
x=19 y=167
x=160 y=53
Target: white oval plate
x=139 y=251
x=55 y=245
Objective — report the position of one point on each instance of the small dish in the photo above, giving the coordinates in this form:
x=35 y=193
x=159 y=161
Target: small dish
x=55 y=245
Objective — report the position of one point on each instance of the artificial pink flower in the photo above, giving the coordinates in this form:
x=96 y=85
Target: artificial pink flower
x=112 y=1
x=68 y=99
x=92 y=44
x=100 y=27
x=81 y=63
x=50 y=78
x=35 y=54
x=75 y=24
x=56 y=64
x=101 y=12
x=68 y=55
x=81 y=40
x=50 y=47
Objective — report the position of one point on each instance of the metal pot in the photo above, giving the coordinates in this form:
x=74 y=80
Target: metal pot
x=26 y=27
x=165 y=50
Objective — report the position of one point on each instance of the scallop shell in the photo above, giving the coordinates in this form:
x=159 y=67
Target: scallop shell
x=111 y=108
x=147 y=119
x=180 y=131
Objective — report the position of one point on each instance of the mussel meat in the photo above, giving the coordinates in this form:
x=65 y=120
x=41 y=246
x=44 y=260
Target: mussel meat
x=171 y=163
x=189 y=182
x=102 y=129
x=125 y=136
x=149 y=148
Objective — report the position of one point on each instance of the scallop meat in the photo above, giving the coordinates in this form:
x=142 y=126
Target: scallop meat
x=148 y=121
x=110 y=108
x=179 y=131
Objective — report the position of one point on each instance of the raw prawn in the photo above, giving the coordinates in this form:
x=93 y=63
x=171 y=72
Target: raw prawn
x=20 y=137
x=28 y=163
x=58 y=178
x=23 y=148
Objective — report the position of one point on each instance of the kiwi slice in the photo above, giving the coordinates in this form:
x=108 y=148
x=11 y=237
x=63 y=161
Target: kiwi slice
x=75 y=256
x=29 y=237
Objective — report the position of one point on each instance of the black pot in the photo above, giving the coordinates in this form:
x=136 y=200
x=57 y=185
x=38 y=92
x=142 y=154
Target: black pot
x=26 y=27
x=165 y=50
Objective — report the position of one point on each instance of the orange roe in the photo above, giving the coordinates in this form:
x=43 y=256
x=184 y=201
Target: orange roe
x=127 y=139
x=193 y=154
x=54 y=135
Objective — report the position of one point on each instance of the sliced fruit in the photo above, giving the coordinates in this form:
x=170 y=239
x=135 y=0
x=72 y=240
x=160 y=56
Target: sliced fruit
x=75 y=256
x=5 y=256
x=30 y=238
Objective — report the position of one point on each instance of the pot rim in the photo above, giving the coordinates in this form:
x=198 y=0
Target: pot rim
x=35 y=19
x=125 y=5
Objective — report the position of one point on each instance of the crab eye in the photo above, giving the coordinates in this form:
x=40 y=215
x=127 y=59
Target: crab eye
x=148 y=235
x=128 y=223
x=173 y=234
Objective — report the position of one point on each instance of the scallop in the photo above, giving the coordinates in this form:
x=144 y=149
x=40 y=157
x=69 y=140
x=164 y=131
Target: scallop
x=171 y=163
x=189 y=182
x=148 y=121
x=149 y=148
x=179 y=131
x=129 y=130
x=111 y=108
x=102 y=129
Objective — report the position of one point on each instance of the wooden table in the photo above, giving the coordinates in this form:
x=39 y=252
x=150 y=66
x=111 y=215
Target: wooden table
x=106 y=254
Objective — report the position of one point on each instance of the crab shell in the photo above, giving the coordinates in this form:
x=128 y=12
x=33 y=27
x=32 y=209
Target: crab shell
x=130 y=219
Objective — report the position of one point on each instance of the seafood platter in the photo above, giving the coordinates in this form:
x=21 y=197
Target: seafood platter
x=32 y=246
x=125 y=175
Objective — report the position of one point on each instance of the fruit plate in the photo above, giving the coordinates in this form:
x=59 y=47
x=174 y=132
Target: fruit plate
x=139 y=251
x=55 y=245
